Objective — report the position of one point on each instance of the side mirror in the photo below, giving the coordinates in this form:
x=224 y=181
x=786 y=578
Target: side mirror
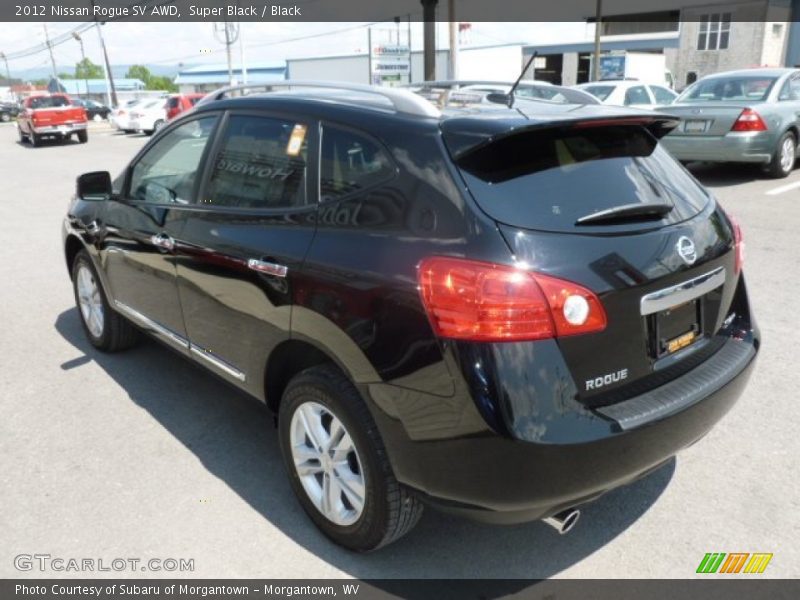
x=499 y=98
x=94 y=186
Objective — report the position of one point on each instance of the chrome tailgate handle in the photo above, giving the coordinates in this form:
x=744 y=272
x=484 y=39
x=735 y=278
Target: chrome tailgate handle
x=269 y=268
x=683 y=292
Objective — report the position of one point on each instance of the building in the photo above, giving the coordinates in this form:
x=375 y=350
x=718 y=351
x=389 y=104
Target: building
x=98 y=90
x=207 y=78
x=696 y=39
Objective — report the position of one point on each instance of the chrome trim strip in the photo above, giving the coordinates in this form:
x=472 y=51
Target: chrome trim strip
x=683 y=292
x=269 y=268
x=150 y=324
x=217 y=362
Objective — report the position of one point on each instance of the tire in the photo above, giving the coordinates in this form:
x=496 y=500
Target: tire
x=21 y=135
x=83 y=136
x=389 y=510
x=5 y=117
x=783 y=160
x=109 y=332
x=128 y=131
x=34 y=139
x=158 y=125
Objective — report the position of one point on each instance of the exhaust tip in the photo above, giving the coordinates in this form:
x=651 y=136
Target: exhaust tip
x=564 y=521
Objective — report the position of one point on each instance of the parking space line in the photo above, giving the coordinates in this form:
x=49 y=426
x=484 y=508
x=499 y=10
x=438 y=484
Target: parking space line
x=783 y=188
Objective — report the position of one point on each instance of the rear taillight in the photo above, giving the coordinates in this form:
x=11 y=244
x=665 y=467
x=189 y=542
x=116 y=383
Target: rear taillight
x=479 y=301
x=749 y=120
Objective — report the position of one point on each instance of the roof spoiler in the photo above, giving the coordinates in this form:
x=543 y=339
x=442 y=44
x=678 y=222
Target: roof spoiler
x=657 y=124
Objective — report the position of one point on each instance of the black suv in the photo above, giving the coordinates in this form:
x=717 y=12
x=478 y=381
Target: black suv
x=503 y=312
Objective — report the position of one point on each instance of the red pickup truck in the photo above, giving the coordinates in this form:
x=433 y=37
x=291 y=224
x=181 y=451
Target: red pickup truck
x=51 y=116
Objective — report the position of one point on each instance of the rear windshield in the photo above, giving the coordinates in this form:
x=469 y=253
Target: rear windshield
x=549 y=179
x=48 y=101
x=599 y=91
x=729 y=89
x=172 y=103
x=194 y=100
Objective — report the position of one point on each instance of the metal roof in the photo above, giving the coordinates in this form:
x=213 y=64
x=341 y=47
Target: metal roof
x=99 y=86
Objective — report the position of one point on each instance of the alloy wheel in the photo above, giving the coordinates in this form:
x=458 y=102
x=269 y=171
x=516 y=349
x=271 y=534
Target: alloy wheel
x=90 y=301
x=787 y=154
x=326 y=461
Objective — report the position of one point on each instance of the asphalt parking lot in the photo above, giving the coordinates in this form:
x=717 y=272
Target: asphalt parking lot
x=143 y=455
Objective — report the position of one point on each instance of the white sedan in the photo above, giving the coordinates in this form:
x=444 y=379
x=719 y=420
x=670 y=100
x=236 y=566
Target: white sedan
x=629 y=93
x=149 y=116
x=121 y=117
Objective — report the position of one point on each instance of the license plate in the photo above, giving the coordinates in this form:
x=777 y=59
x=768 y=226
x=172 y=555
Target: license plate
x=695 y=126
x=676 y=328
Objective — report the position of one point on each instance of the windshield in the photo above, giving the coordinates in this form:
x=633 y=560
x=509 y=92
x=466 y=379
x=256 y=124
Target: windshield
x=729 y=89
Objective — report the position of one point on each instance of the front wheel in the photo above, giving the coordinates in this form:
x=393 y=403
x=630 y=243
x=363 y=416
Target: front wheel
x=337 y=463
x=782 y=162
x=104 y=327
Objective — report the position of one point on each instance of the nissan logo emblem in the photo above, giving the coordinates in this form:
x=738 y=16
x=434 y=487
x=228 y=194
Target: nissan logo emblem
x=686 y=250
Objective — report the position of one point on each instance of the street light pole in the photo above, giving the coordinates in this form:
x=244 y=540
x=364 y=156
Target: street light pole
x=8 y=73
x=597 y=28
x=83 y=57
x=429 y=38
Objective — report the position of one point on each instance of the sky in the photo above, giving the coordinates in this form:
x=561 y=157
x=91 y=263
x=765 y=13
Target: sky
x=171 y=44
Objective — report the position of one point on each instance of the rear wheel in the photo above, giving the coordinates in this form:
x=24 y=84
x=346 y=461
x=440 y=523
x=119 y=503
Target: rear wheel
x=34 y=139
x=5 y=117
x=782 y=162
x=337 y=463
x=104 y=327
x=158 y=125
x=83 y=136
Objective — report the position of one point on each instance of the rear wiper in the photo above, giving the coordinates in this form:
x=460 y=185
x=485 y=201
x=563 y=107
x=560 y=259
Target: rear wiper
x=627 y=212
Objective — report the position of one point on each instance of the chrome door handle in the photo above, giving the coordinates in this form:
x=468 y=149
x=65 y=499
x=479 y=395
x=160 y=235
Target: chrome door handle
x=269 y=268
x=162 y=240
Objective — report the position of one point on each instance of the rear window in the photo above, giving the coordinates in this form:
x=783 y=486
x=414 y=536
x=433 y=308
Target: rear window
x=729 y=89
x=48 y=102
x=548 y=179
x=599 y=91
x=194 y=100
x=172 y=103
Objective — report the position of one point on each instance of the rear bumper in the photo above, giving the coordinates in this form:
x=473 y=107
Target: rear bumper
x=748 y=147
x=568 y=456
x=62 y=129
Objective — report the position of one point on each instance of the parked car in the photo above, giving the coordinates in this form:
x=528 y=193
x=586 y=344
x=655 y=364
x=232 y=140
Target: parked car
x=121 y=117
x=449 y=92
x=94 y=110
x=749 y=116
x=8 y=111
x=503 y=312
x=629 y=93
x=51 y=116
x=148 y=117
x=177 y=103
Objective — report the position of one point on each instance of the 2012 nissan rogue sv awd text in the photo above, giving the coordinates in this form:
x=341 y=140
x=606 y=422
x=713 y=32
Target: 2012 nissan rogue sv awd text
x=504 y=312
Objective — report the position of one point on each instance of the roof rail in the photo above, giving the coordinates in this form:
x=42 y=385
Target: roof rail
x=403 y=101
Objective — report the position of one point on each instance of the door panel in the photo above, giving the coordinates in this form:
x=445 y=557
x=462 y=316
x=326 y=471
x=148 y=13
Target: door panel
x=243 y=244
x=137 y=248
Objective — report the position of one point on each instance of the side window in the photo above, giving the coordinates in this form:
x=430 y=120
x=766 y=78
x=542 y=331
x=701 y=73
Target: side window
x=662 y=95
x=167 y=172
x=261 y=164
x=637 y=95
x=350 y=162
x=790 y=90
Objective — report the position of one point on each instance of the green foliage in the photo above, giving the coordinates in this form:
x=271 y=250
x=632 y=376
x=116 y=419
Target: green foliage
x=86 y=69
x=65 y=76
x=151 y=82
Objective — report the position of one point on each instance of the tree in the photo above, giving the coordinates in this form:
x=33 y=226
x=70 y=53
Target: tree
x=139 y=72
x=86 y=69
x=65 y=76
x=151 y=82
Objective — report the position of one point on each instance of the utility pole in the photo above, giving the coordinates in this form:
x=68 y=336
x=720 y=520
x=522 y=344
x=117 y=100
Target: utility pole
x=410 y=55
x=8 y=73
x=231 y=32
x=111 y=92
x=50 y=48
x=597 y=27
x=429 y=38
x=242 y=62
x=453 y=26
x=83 y=57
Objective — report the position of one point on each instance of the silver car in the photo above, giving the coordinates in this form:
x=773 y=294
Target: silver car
x=748 y=116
